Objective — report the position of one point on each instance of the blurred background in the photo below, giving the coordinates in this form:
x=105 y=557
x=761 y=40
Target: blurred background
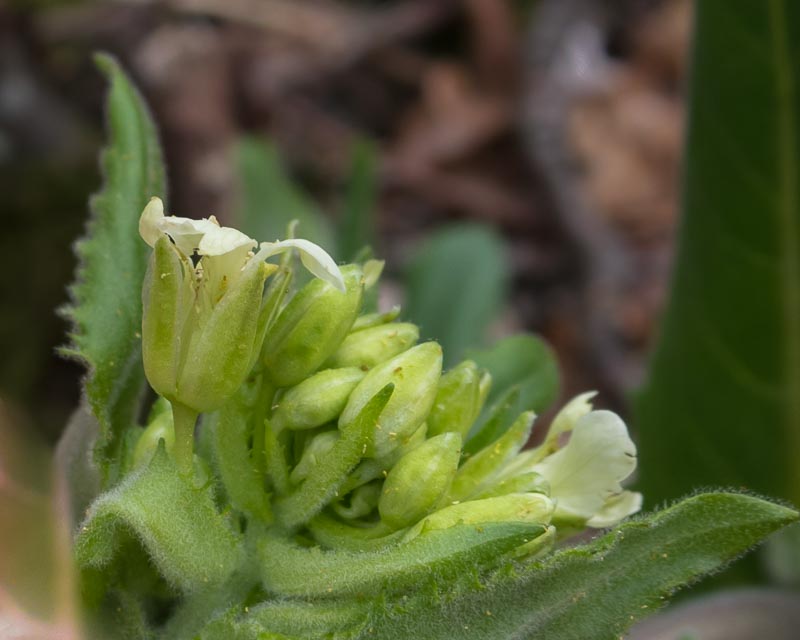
x=540 y=139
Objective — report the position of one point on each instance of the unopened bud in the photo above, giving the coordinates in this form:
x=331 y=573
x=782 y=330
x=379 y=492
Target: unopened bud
x=311 y=328
x=419 y=480
x=369 y=347
x=316 y=400
x=514 y=507
x=415 y=374
x=457 y=401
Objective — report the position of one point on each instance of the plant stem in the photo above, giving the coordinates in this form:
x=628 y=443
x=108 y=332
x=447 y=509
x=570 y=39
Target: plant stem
x=184 y=419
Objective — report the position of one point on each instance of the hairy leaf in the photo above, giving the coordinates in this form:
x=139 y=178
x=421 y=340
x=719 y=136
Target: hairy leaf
x=106 y=308
x=722 y=402
x=290 y=570
x=594 y=591
x=324 y=481
x=177 y=524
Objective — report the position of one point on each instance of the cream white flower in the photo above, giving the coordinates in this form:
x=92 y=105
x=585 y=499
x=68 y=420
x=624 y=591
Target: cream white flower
x=585 y=475
x=225 y=251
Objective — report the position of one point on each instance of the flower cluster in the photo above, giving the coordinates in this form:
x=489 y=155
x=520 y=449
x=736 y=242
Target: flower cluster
x=356 y=435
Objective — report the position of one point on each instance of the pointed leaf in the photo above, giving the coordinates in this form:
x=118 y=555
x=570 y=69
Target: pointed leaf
x=595 y=591
x=722 y=402
x=106 y=307
x=177 y=524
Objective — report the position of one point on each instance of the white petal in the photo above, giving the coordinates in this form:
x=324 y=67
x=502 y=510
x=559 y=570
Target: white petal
x=221 y=240
x=187 y=233
x=588 y=470
x=150 y=220
x=615 y=509
x=312 y=256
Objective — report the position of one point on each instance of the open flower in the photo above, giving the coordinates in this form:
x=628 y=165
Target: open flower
x=202 y=326
x=585 y=474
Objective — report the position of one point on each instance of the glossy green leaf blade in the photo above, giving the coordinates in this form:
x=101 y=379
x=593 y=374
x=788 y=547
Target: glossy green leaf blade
x=190 y=544
x=290 y=570
x=456 y=287
x=106 y=308
x=595 y=591
x=722 y=403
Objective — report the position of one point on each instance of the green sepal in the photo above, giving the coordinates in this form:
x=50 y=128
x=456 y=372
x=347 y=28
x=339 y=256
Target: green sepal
x=167 y=300
x=325 y=479
x=419 y=480
x=596 y=590
x=317 y=400
x=190 y=544
x=290 y=570
x=105 y=312
x=219 y=354
x=367 y=348
x=476 y=474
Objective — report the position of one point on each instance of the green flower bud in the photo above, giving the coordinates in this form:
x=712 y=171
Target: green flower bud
x=530 y=482
x=415 y=374
x=478 y=473
x=374 y=319
x=369 y=347
x=514 y=507
x=421 y=478
x=318 y=448
x=457 y=403
x=311 y=328
x=159 y=428
x=316 y=400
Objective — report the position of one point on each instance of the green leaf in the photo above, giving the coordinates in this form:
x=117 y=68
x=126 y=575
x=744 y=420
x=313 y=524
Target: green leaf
x=357 y=227
x=292 y=619
x=722 y=403
x=190 y=544
x=456 y=287
x=440 y=555
x=106 y=307
x=269 y=200
x=595 y=591
x=524 y=378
